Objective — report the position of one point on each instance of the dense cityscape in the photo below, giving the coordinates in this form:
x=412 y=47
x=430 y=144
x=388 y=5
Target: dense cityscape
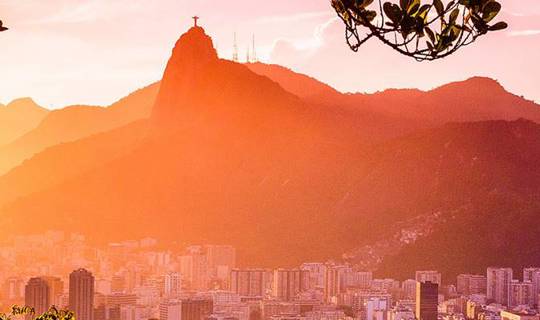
x=139 y=280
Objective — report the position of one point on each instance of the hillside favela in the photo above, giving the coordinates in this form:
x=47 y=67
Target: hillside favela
x=269 y=160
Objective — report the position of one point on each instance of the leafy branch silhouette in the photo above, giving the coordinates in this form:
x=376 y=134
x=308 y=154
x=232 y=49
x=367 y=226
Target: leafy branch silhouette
x=415 y=28
x=2 y=28
x=52 y=314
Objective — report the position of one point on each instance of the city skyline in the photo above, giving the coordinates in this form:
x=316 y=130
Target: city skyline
x=145 y=291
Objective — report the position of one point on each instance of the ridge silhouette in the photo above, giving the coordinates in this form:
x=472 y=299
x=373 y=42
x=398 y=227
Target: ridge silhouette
x=474 y=99
x=19 y=117
x=73 y=123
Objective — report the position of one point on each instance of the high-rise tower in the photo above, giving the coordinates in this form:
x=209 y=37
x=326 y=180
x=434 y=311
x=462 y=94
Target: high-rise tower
x=431 y=276
x=172 y=284
x=427 y=300
x=81 y=294
x=288 y=283
x=36 y=295
x=56 y=289
x=499 y=282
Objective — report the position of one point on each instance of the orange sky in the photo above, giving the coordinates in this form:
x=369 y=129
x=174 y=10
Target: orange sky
x=63 y=52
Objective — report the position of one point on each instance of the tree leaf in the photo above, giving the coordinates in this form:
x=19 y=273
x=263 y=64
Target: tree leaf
x=423 y=12
x=363 y=3
x=430 y=34
x=392 y=11
x=404 y=4
x=413 y=7
x=498 y=26
x=490 y=11
x=453 y=16
x=438 y=6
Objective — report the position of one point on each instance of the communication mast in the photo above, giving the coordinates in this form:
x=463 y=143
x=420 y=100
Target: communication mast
x=235 y=49
x=254 y=50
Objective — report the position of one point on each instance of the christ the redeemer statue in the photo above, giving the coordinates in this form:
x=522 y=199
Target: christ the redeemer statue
x=195 y=19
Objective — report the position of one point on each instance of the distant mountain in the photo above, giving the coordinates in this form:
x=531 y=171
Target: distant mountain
x=19 y=117
x=299 y=84
x=475 y=99
x=60 y=163
x=231 y=156
x=76 y=122
x=350 y=111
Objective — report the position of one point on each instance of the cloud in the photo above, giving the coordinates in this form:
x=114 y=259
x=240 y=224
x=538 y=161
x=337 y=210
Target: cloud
x=285 y=53
x=299 y=50
x=89 y=11
x=295 y=17
x=524 y=33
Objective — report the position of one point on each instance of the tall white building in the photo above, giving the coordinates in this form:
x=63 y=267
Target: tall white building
x=522 y=293
x=172 y=284
x=194 y=268
x=13 y=288
x=468 y=284
x=384 y=285
x=377 y=308
x=221 y=260
x=317 y=274
x=409 y=289
x=206 y=267
x=334 y=281
x=251 y=282
x=533 y=275
x=528 y=273
x=135 y=312
x=170 y=310
x=359 y=279
x=401 y=313
x=289 y=283
x=374 y=300
x=429 y=275
x=499 y=285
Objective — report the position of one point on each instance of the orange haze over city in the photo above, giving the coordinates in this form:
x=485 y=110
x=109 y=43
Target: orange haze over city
x=235 y=160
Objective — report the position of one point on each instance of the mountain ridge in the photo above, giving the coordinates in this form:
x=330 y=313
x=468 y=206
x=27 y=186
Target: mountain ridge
x=74 y=122
x=18 y=117
x=384 y=102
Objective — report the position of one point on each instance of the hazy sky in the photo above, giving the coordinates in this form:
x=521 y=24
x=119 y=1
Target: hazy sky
x=63 y=52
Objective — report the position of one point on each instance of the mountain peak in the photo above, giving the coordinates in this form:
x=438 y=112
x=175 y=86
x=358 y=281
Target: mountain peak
x=477 y=84
x=484 y=81
x=195 y=47
x=23 y=102
x=193 y=59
